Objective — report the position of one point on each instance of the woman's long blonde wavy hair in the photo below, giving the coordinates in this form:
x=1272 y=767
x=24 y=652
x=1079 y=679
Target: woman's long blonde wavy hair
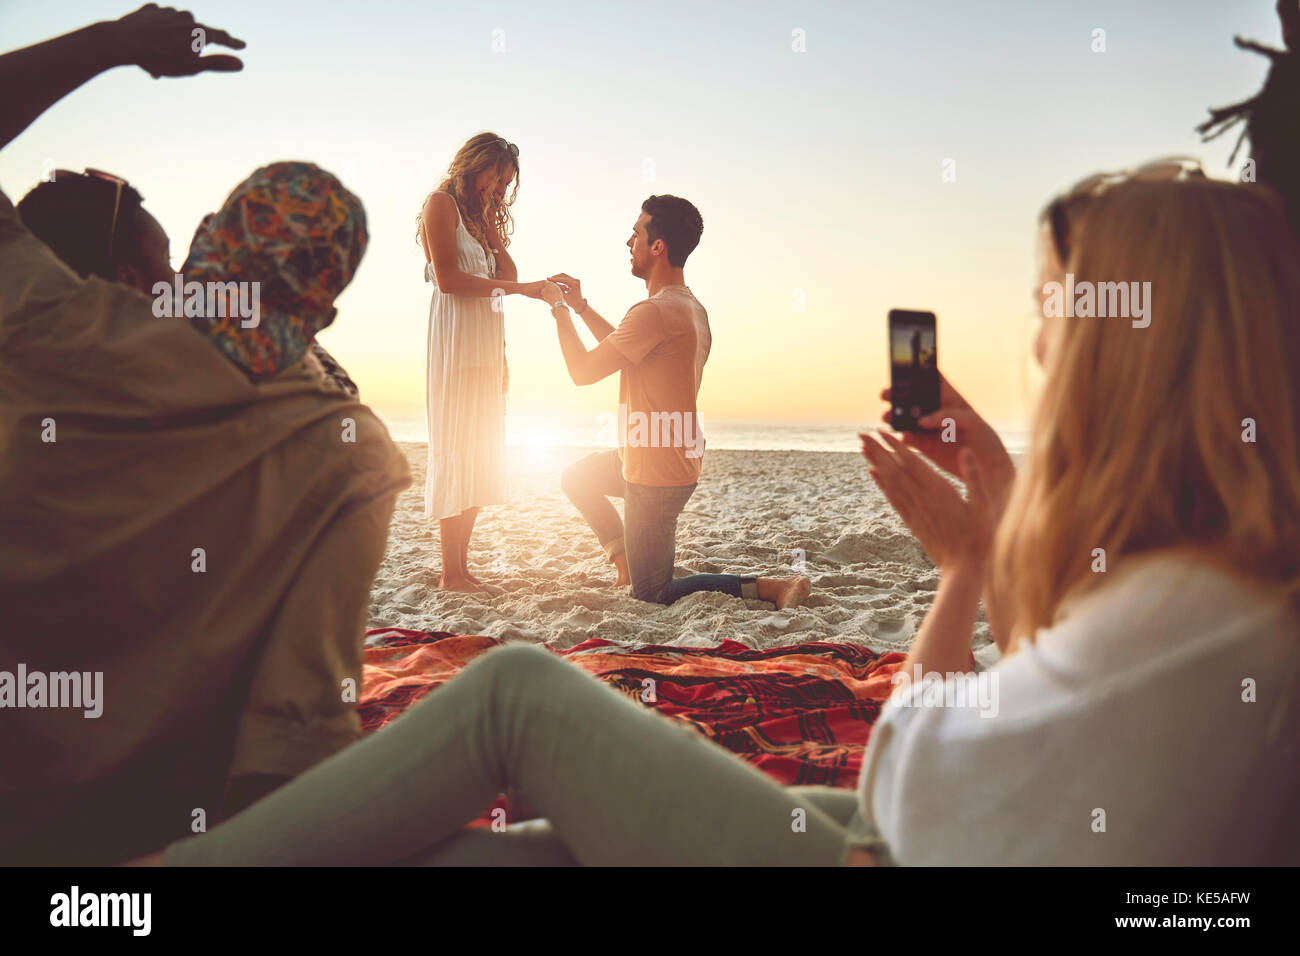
x=1138 y=442
x=480 y=152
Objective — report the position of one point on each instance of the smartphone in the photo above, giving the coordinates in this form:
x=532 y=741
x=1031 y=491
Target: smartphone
x=913 y=368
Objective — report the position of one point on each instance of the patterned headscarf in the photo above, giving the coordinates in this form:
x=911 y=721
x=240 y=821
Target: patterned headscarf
x=294 y=229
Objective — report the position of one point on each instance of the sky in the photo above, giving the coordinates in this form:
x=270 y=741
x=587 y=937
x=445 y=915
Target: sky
x=813 y=136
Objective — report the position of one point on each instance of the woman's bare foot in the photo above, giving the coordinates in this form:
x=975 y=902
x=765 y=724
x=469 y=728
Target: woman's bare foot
x=624 y=578
x=458 y=583
x=784 y=592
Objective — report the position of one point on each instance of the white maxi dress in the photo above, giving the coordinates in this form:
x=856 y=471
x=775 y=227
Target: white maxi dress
x=465 y=400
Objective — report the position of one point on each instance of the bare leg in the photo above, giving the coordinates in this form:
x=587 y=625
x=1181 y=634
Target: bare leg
x=468 y=517
x=453 y=578
x=620 y=562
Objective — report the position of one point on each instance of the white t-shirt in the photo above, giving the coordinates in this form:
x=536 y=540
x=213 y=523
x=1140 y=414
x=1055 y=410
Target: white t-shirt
x=1123 y=736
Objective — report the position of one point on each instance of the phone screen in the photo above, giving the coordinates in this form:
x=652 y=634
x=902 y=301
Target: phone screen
x=913 y=368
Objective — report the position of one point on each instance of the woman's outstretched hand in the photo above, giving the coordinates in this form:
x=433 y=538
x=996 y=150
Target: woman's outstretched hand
x=571 y=287
x=952 y=530
x=165 y=41
x=551 y=294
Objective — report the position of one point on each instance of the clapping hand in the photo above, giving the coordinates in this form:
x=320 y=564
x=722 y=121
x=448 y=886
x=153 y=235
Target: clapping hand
x=966 y=447
x=952 y=530
x=165 y=41
x=960 y=427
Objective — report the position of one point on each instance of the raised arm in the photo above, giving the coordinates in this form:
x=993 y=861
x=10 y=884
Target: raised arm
x=164 y=42
x=440 y=218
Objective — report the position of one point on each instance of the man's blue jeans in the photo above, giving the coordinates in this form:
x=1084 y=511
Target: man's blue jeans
x=651 y=529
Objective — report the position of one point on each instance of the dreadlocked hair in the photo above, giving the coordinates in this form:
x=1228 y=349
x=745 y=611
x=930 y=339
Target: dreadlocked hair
x=1269 y=118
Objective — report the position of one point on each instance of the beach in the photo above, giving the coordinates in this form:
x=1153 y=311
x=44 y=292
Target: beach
x=765 y=513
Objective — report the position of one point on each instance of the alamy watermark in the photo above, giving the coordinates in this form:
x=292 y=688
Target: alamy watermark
x=661 y=430
x=72 y=689
x=978 y=691
x=181 y=299
x=76 y=908
x=1102 y=300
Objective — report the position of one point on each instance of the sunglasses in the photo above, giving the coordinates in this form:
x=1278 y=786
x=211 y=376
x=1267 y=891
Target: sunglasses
x=118 y=182
x=1173 y=169
x=509 y=147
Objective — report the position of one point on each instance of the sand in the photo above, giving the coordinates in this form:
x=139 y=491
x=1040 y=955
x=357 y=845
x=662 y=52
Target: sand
x=766 y=513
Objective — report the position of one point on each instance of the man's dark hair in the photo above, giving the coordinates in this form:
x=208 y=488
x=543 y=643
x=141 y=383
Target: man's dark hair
x=677 y=222
x=73 y=215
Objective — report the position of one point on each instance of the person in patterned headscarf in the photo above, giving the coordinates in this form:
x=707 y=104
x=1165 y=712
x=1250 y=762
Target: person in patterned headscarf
x=292 y=230
x=193 y=511
x=65 y=211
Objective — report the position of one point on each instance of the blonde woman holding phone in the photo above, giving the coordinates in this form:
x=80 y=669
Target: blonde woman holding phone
x=1141 y=573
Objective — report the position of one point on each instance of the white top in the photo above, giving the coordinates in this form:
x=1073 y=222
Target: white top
x=1130 y=714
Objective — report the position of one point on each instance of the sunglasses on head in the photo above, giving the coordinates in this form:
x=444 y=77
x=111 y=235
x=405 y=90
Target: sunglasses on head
x=509 y=147
x=1174 y=169
x=118 y=182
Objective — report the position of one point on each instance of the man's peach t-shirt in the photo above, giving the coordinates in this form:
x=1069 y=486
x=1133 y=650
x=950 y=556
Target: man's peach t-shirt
x=666 y=342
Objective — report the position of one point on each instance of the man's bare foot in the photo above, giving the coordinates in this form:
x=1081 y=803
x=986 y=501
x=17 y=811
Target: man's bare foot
x=458 y=584
x=784 y=592
x=472 y=577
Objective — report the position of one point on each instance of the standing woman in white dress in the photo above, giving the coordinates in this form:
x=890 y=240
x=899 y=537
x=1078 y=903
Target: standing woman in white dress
x=464 y=228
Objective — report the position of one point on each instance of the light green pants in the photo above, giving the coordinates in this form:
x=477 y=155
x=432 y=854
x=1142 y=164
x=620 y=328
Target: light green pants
x=616 y=783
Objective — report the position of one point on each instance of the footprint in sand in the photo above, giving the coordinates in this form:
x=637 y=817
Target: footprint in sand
x=892 y=628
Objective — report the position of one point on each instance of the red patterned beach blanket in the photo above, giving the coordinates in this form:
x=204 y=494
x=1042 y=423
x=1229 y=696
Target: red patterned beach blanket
x=800 y=713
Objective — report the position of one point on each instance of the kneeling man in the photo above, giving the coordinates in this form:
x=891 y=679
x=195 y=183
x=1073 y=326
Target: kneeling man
x=659 y=351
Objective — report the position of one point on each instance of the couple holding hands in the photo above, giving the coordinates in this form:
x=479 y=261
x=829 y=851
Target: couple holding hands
x=659 y=351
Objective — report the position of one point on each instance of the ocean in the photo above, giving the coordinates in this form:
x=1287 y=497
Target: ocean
x=579 y=432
